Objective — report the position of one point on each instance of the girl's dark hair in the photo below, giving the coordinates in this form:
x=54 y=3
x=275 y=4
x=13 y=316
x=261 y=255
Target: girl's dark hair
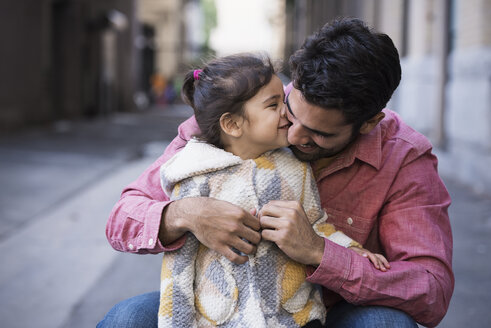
x=224 y=85
x=347 y=66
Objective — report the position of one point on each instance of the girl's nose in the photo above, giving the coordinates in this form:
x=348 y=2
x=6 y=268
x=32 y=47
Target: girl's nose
x=283 y=111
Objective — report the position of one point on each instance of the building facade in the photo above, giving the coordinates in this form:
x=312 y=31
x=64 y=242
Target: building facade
x=63 y=59
x=70 y=59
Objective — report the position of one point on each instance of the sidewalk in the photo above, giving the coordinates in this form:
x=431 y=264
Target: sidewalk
x=470 y=216
x=59 y=186
x=51 y=264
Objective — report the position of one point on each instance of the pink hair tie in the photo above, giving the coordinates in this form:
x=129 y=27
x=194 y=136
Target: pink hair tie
x=196 y=73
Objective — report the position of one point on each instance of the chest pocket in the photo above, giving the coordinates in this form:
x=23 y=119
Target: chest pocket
x=354 y=226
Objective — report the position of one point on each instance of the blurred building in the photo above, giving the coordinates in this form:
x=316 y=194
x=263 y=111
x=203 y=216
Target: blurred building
x=445 y=92
x=164 y=19
x=162 y=45
x=253 y=25
x=67 y=59
x=62 y=59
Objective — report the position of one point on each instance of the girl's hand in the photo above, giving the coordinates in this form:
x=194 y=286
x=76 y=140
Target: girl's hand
x=378 y=260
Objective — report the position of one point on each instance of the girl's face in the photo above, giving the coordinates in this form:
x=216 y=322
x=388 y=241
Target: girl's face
x=266 y=125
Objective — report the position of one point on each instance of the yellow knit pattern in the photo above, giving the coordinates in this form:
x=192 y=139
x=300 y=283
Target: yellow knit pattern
x=303 y=317
x=305 y=172
x=264 y=163
x=165 y=308
x=326 y=229
x=293 y=278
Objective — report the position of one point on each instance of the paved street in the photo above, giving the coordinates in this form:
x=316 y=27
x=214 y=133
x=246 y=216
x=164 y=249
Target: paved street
x=59 y=185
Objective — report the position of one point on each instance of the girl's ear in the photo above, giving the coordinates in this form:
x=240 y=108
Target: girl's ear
x=231 y=124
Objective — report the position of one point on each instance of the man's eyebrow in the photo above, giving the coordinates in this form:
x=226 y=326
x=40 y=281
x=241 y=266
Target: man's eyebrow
x=324 y=134
x=288 y=105
x=271 y=98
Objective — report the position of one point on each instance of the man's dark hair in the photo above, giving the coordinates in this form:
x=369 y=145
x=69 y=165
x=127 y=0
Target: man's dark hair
x=347 y=66
x=224 y=85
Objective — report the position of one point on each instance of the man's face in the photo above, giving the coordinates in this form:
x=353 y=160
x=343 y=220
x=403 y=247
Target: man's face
x=316 y=132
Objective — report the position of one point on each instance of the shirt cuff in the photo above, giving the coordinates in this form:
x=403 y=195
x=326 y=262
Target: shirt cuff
x=150 y=237
x=154 y=219
x=334 y=268
x=175 y=245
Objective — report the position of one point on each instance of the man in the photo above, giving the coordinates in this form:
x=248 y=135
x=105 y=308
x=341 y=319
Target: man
x=377 y=180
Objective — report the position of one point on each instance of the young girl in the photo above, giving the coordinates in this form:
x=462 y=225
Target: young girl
x=240 y=157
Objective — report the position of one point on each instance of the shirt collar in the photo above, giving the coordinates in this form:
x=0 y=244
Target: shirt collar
x=367 y=148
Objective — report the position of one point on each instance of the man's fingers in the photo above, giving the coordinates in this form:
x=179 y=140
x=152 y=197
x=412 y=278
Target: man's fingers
x=277 y=208
x=250 y=235
x=251 y=221
x=271 y=235
x=234 y=257
x=243 y=246
x=268 y=222
x=245 y=226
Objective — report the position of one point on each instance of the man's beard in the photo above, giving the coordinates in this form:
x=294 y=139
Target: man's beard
x=320 y=153
x=310 y=157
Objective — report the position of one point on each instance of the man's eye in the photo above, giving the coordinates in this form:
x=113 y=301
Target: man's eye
x=322 y=136
x=272 y=105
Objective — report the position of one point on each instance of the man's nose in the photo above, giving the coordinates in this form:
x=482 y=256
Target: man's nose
x=297 y=135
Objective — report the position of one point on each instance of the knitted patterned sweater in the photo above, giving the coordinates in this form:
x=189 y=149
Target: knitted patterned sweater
x=201 y=288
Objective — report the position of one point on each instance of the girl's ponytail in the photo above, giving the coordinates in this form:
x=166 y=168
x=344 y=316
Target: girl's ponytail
x=188 y=89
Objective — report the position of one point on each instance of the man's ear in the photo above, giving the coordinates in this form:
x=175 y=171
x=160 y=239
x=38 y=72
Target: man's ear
x=231 y=124
x=371 y=123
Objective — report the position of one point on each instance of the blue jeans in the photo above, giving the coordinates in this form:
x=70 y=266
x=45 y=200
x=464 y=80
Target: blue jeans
x=142 y=311
x=139 y=311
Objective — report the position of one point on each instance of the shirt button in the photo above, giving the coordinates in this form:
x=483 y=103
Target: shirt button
x=150 y=241
x=350 y=221
x=130 y=246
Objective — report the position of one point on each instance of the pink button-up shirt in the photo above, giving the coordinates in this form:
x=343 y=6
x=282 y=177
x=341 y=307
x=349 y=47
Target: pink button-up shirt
x=384 y=191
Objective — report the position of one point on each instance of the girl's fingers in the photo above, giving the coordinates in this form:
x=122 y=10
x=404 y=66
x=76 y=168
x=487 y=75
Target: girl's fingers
x=384 y=261
x=374 y=260
x=379 y=261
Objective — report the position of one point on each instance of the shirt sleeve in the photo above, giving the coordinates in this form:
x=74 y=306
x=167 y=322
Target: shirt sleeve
x=415 y=233
x=134 y=222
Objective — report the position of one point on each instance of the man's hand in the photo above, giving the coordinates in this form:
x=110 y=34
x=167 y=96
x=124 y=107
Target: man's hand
x=219 y=225
x=285 y=223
